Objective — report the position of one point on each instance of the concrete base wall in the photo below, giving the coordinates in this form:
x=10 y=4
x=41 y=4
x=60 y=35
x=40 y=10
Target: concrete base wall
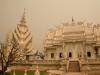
x=45 y=65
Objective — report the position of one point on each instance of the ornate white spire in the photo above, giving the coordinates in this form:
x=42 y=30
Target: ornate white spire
x=23 y=36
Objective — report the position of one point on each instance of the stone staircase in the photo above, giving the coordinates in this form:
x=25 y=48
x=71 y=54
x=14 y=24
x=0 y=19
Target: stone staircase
x=73 y=66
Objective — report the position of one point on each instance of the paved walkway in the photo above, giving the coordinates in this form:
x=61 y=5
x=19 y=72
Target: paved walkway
x=58 y=72
x=63 y=73
x=74 y=73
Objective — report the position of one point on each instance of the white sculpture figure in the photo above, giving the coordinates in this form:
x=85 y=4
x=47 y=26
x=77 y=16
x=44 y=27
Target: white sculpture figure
x=25 y=72
x=14 y=72
x=50 y=74
x=85 y=73
x=37 y=72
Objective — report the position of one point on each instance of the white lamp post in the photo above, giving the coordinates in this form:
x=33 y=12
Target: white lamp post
x=37 y=72
x=14 y=72
x=25 y=72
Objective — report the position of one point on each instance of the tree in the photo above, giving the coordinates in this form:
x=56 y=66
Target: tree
x=9 y=54
x=40 y=54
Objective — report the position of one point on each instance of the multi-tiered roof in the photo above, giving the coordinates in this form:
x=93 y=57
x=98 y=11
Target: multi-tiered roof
x=73 y=32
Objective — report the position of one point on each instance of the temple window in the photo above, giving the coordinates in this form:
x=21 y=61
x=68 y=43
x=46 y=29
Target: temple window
x=60 y=55
x=89 y=54
x=27 y=57
x=70 y=54
x=52 y=55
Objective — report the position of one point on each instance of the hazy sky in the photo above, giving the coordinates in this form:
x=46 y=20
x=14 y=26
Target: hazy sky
x=44 y=14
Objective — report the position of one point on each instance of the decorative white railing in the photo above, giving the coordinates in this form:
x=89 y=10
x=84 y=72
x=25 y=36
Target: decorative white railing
x=91 y=61
x=45 y=62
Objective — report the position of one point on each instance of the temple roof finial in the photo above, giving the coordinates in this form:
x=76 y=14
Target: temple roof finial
x=23 y=20
x=72 y=19
x=24 y=11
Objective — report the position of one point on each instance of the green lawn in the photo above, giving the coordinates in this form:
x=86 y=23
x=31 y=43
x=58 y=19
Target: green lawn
x=28 y=72
x=20 y=72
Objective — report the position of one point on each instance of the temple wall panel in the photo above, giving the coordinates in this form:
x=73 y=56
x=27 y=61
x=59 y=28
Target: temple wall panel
x=59 y=50
x=90 y=48
x=75 y=48
x=99 y=51
x=48 y=54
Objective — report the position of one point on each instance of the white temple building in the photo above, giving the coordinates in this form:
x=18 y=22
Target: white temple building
x=73 y=41
x=70 y=47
